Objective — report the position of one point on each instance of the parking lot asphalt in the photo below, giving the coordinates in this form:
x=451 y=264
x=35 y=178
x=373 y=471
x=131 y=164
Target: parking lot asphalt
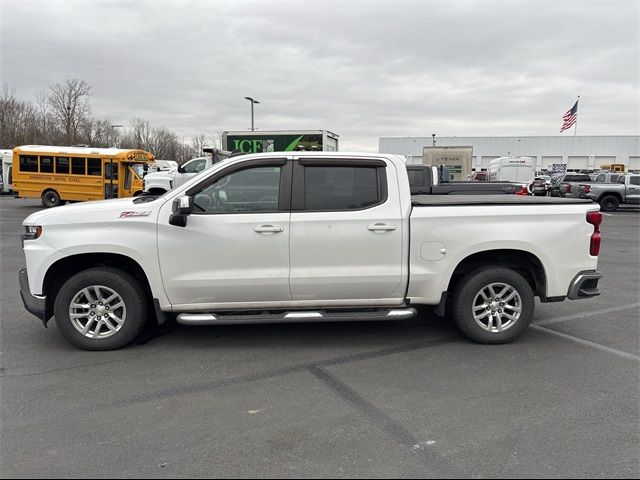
x=408 y=399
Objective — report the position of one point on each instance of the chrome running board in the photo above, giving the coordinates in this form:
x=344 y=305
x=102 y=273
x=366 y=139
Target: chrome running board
x=297 y=317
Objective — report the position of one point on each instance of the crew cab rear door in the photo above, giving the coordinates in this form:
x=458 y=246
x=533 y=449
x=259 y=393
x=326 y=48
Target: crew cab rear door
x=346 y=232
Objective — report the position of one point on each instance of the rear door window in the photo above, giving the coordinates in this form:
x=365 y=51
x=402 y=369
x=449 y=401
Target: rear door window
x=341 y=188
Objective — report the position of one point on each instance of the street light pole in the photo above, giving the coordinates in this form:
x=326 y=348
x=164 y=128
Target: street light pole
x=252 y=102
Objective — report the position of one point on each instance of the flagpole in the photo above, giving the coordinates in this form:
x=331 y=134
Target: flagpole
x=575 y=130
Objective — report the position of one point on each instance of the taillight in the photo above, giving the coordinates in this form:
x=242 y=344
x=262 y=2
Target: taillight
x=567 y=188
x=595 y=219
x=523 y=191
x=586 y=189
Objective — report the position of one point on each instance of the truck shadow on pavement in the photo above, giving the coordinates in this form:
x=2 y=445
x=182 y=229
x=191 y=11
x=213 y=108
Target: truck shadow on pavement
x=425 y=326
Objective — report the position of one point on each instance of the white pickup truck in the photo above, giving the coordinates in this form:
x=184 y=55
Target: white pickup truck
x=299 y=237
x=157 y=183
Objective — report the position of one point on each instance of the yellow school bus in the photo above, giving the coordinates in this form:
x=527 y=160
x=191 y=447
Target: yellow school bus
x=613 y=167
x=60 y=174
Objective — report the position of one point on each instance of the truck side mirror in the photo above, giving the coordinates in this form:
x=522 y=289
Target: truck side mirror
x=182 y=208
x=180 y=169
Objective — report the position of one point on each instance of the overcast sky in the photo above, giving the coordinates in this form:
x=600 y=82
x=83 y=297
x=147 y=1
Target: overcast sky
x=361 y=69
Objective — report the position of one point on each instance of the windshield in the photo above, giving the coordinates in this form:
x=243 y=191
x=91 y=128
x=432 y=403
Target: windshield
x=140 y=168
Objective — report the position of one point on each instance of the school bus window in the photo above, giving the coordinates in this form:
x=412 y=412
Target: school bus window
x=28 y=163
x=46 y=164
x=78 y=166
x=94 y=166
x=62 y=165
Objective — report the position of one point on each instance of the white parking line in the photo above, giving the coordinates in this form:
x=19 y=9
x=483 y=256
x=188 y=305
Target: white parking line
x=587 y=343
x=577 y=316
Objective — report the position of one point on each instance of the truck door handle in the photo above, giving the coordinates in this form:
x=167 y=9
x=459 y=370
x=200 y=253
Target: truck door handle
x=268 y=229
x=381 y=227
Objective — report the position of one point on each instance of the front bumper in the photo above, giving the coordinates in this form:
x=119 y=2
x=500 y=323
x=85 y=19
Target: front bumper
x=34 y=304
x=584 y=285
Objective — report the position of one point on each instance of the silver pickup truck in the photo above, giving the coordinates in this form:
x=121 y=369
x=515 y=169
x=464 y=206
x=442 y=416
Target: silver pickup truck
x=611 y=195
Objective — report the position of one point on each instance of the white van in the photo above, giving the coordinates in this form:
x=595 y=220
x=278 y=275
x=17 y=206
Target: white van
x=512 y=169
x=6 y=182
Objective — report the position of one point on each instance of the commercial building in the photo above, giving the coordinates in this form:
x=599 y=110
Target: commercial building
x=577 y=152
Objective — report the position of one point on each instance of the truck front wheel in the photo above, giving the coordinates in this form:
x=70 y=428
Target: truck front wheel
x=493 y=305
x=100 y=309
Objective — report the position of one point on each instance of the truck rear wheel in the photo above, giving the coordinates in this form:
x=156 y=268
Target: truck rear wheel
x=51 y=198
x=100 y=309
x=493 y=305
x=610 y=203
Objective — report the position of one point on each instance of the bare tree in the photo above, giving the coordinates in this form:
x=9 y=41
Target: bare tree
x=216 y=139
x=160 y=141
x=198 y=142
x=97 y=132
x=44 y=135
x=17 y=119
x=69 y=103
x=62 y=116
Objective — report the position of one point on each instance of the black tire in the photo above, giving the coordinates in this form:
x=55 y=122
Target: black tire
x=610 y=203
x=50 y=198
x=467 y=293
x=130 y=293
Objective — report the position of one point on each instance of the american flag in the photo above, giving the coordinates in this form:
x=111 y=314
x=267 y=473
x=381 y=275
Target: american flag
x=569 y=118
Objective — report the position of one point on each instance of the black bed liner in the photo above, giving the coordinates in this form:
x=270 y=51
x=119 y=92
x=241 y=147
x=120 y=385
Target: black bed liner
x=452 y=200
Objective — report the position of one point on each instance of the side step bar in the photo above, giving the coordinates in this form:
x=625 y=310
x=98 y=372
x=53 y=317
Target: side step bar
x=296 y=317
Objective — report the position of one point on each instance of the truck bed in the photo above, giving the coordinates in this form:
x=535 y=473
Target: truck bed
x=454 y=200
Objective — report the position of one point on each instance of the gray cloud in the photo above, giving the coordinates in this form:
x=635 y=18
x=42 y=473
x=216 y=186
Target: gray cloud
x=361 y=69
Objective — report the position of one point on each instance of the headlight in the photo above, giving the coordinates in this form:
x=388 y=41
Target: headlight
x=33 y=232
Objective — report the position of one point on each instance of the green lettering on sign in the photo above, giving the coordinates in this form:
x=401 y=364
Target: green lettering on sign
x=292 y=146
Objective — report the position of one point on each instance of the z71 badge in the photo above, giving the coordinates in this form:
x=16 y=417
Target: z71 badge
x=134 y=213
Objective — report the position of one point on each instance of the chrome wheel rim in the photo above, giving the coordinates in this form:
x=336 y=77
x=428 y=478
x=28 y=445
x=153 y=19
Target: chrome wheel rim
x=97 y=312
x=497 y=307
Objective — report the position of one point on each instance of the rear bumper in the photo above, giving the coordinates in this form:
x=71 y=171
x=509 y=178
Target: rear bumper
x=584 y=285
x=34 y=304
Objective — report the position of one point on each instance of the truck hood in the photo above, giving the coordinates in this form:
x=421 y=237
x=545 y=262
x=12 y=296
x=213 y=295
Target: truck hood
x=160 y=175
x=106 y=210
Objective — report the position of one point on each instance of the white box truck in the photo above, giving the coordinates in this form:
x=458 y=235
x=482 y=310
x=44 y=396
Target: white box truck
x=280 y=141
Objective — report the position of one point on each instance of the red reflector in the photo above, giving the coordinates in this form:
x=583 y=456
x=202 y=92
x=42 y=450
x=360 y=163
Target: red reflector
x=595 y=244
x=594 y=218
